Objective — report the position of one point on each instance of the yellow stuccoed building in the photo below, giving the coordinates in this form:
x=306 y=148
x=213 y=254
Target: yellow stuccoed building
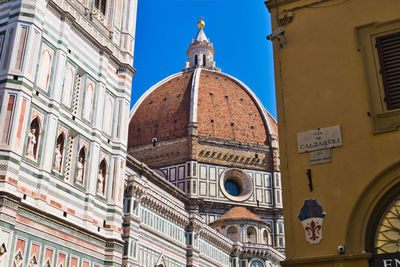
x=337 y=72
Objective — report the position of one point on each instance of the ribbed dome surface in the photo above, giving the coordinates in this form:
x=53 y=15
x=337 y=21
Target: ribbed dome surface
x=163 y=114
x=225 y=110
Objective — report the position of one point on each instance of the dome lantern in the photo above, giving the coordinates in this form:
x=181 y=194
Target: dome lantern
x=201 y=51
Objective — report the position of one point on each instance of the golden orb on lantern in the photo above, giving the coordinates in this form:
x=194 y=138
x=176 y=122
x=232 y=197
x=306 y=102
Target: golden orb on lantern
x=201 y=23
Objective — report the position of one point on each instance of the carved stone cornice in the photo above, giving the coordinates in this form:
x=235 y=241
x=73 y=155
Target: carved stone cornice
x=98 y=36
x=155 y=178
x=249 y=250
x=139 y=188
x=232 y=157
x=209 y=234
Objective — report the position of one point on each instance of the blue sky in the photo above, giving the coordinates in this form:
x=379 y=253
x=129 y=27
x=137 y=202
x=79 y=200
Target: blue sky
x=237 y=29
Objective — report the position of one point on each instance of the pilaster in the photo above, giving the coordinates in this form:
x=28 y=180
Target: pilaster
x=56 y=90
x=92 y=169
x=100 y=107
x=49 y=142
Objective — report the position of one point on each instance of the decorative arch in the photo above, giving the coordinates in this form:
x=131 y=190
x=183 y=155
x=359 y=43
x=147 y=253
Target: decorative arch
x=80 y=168
x=88 y=103
x=59 y=152
x=101 y=177
x=108 y=114
x=33 y=138
x=266 y=237
x=386 y=225
x=233 y=233
x=45 y=67
x=251 y=234
x=369 y=207
x=256 y=263
x=68 y=85
x=3 y=252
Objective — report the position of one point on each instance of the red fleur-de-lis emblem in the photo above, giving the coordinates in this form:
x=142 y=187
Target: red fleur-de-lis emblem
x=314 y=230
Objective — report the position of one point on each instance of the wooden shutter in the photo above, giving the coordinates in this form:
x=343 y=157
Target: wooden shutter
x=388 y=47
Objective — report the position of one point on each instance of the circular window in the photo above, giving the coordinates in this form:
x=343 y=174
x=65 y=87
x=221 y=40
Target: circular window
x=232 y=188
x=236 y=185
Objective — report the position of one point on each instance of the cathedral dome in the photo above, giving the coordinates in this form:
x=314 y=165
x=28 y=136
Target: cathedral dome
x=220 y=105
x=195 y=113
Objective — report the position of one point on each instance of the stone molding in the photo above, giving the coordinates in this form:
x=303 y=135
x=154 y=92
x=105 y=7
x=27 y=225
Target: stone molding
x=81 y=21
x=145 y=196
x=272 y=4
x=261 y=250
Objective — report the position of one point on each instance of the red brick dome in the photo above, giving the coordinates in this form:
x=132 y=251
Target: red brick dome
x=221 y=106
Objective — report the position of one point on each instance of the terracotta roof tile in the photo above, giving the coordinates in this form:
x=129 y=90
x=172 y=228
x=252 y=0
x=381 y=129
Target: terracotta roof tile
x=239 y=213
x=225 y=110
x=164 y=114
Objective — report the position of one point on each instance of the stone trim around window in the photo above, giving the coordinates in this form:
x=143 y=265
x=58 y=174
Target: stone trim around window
x=383 y=119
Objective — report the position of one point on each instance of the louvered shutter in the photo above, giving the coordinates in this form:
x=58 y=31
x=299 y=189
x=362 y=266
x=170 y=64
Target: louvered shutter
x=388 y=47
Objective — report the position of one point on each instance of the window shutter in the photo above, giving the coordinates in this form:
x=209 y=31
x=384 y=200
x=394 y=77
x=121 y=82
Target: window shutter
x=388 y=47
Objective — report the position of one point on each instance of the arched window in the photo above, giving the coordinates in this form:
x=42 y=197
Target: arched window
x=80 y=168
x=59 y=153
x=251 y=235
x=233 y=233
x=196 y=60
x=204 y=60
x=265 y=237
x=257 y=263
x=101 y=5
x=33 y=139
x=387 y=229
x=101 y=177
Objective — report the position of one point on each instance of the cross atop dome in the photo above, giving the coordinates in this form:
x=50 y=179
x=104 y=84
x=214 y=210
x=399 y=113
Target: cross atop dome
x=201 y=51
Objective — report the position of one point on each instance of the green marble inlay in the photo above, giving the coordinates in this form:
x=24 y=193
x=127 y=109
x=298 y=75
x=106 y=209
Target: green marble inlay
x=23 y=14
x=9 y=158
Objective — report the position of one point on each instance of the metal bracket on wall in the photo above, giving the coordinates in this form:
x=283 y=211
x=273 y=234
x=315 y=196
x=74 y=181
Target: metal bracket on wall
x=310 y=185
